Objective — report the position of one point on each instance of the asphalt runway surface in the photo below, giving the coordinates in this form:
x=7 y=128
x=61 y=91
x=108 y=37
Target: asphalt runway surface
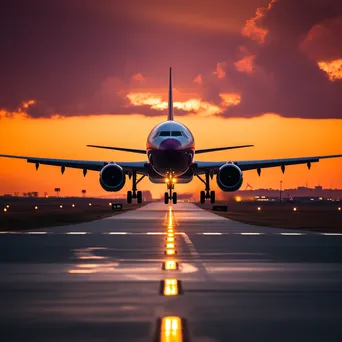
x=103 y=281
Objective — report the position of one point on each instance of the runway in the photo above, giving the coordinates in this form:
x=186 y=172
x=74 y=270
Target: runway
x=101 y=281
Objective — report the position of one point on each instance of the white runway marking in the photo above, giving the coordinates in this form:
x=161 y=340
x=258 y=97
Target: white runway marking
x=292 y=234
x=211 y=233
x=36 y=233
x=332 y=234
x=251 y=233
x=155 y=233
x=77 y=233
x=191 y=246
x=117 y=233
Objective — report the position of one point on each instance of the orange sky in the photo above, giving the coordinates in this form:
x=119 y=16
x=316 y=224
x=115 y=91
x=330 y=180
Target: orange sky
x=273 y=136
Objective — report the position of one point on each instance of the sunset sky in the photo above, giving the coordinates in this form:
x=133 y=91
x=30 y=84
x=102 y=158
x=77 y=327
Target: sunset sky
x=257 y=72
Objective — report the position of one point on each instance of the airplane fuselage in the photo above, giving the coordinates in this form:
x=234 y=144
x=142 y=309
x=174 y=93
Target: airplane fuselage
x=170 y=150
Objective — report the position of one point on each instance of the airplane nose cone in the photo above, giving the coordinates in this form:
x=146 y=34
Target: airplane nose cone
x=170 y=144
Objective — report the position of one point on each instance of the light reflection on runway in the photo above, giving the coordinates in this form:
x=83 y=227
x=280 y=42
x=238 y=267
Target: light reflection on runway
x=100 y=281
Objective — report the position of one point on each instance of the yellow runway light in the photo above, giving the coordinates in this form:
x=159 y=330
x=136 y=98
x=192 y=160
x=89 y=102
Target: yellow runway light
x=171 y=329
x=294 y=209
x=36 y=207
x=170 y=239
x=170 y=252
x=170 y=287
x=170 y=265
x=73 y=205
x=7 y=206
x=5 y=209
x=170 y=230
x=170 y=245
x=259 y=209
x=339 y=208
x=61 y=206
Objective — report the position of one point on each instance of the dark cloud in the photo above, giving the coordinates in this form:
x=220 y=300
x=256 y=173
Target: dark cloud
x=78 y=58
x=61 y=52
x=287 y=79
x=323 y=41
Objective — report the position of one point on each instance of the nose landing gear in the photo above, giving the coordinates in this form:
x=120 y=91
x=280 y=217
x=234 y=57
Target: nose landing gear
x=134 y=193
x=170 y=195
x=207 y=194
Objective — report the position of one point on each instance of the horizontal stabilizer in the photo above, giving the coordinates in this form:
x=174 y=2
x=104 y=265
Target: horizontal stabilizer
x=206 y=150
x=132 y=150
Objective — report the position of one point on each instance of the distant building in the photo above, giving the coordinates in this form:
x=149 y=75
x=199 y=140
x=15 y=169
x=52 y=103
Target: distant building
x=311 y=194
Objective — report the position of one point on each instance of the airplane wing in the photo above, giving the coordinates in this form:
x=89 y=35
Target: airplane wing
x=206 y=150
x=244 y=165
x=85 y=165
x=132 y=150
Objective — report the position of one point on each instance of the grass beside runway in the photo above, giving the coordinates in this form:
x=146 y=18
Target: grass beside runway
x=320 y=217
x=34 y=213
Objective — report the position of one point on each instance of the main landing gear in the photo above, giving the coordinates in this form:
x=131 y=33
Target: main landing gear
x=134 y=193
x=207 y=194
x=170 y=195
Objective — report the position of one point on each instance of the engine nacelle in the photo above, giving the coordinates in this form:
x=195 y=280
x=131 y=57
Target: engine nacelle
x=112 y=177
x=229 y=177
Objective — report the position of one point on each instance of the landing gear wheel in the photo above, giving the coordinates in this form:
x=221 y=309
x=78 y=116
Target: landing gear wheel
x=202 y=197
x=174 y=198
x=139 y=197
x=212 y=197
x=166 y=198
x=129 y=197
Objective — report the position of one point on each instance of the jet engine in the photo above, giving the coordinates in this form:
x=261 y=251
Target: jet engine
x=112 y=177
x=229 y=177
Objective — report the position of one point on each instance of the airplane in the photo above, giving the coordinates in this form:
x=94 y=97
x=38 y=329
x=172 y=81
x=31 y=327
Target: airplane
x=170 y=151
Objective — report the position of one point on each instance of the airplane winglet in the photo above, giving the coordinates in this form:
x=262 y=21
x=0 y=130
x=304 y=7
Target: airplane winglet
x=170 y=107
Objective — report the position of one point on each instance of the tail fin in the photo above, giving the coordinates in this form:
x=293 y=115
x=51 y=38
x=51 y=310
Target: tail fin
x=170 y=113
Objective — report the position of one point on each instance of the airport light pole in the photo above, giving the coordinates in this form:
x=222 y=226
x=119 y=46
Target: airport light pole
x=281 y=188
x=57 y=190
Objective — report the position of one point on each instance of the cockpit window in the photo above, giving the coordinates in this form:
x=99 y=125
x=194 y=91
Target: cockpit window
x=168 y=133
